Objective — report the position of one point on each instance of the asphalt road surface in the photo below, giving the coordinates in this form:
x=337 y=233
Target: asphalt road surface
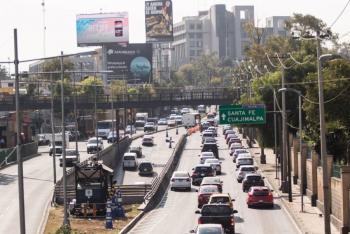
x=176 y=213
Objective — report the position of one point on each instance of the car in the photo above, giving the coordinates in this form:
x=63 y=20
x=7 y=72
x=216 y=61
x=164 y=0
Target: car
x=94 y=145
x=211 y=147
x=204 y=126
x=243 y=170
x=214 y=130
x=204 y=156
x=201 y=109
x=207 y=134
x=229 y=132
x=145 y=168
x=215 y=163
x=137 y=150
x=171 y=122
x=180 y=180
x=218 y=214
x=244 y=159
x=129 y=160
x=72 y=157
x=212 y=122
x=178 y=120
x=209 y=140
x=221 y=198
x=130 y=129
x=150 y=127
x=208 y=228
x=236 y=151
x=204 y=193
x=42 y=140
x=260 y=196
x=212 y=180
x=234 y=140
x=112 y=137
x=147 y=140
x=162 y=121
x=229 y=136
x=252 y=179
x=185 y=110
x=200 y=171
x=225 y=128
x=58 y=148
x=139 y=124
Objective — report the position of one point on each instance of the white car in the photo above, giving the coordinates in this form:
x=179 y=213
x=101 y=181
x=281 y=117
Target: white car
x=171 y=122
x=94 y=144
x=130 y=161
x=208 y=228
x=147 y=140
x=237 y=152
x=180 y=180
x=235 y=146
x=215 y=164
x=204 y=156
x=244 y=159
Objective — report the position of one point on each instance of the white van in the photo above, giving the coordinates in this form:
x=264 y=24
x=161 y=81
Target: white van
x=129 y=160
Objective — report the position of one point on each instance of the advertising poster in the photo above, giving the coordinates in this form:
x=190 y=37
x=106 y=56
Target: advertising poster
x=159 y=21
x=132 y=63
x=98 y=29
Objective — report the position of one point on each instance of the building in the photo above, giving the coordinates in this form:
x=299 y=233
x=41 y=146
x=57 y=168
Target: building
x=218 y=31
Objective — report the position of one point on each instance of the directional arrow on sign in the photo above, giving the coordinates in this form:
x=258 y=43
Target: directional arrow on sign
x=223 y=116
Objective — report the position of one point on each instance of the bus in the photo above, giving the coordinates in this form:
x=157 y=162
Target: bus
x=104 y=127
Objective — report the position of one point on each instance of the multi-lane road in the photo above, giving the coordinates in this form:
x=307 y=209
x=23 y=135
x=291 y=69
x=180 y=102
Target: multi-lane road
x=176 y=213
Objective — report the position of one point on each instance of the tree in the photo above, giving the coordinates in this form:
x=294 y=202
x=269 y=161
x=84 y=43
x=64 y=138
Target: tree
x=89 y=85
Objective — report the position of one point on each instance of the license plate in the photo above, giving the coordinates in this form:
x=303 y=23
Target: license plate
x=261 y=201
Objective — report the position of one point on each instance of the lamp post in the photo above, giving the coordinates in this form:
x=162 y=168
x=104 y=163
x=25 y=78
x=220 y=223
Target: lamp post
x=302 y=175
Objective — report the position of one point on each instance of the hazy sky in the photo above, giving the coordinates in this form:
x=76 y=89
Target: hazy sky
x=27 y=17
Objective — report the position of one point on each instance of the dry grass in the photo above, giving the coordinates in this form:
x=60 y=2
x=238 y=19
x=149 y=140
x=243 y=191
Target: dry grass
x=88 y=226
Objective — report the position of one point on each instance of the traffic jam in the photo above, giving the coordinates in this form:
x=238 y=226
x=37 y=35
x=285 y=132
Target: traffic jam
x=216 y=209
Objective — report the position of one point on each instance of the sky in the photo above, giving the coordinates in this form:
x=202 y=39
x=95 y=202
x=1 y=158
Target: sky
x=60 y=16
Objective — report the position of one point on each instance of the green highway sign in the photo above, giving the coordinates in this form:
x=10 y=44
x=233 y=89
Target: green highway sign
x=242 y=114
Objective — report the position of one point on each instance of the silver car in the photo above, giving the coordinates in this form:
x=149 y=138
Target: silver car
x=215 y=164
x=243 y=170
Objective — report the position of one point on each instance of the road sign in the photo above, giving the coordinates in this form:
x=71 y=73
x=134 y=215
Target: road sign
x=242 y=114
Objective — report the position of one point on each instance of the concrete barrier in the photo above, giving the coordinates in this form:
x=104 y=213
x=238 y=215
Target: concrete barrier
x=9 y=156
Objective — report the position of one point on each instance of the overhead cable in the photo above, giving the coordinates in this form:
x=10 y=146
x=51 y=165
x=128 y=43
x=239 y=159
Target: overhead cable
x=340 y=14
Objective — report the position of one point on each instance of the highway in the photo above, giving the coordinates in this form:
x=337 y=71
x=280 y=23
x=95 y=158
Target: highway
x=176 y=213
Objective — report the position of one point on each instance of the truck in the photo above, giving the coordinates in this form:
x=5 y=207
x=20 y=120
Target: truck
x=58 y=142
x=190 y=119
x=141 y=119
x=218 y=214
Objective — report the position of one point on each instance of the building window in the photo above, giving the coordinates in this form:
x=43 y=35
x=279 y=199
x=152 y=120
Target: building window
x=199 y=26
x=191 y=35
x=199 y=52
x=10 y=85
x=242 y=15
x=199 y=44
x=192 y=53
x=199 y=35
x=281 y=23
x=191 y=26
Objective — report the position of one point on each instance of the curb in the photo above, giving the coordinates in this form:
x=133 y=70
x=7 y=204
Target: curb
x=45 y=217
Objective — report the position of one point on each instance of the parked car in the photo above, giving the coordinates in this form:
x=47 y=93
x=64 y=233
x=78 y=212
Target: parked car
x=162 y=121
x=215 y=163
x=145 y=168
x=208 y=228
x=130 y=161
x=42 y=140
x=221 y=198
x=244 y=160
x=211 y=147
x=252 y=179
x=147 y=140
x=218 y=214
x=212 y=180
x=137 y=150
x=204 y=193
x=72 y=157
x=260 y=196
x=200 y=171
x=243 y=170
x=204 y=156
x=180 y=180
x=94 y=144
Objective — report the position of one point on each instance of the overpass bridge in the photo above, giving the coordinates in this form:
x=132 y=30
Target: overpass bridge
x=169 y=97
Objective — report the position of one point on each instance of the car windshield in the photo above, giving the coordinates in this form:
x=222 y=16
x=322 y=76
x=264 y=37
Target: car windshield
x=211 y=161
x=93 y=141
x=203 y=169
x=247 y=169
x=129 y=157
x=209 y=230
x=209 y=189
x=210 y=140
x=180 y=174
x=219 y=210
x=220 y=200
x=146 y=165
x=58 y=143
x=210 y=180
x=208 y=134
x=254 y=177
x=261 y=192
x=71 y=152
x=247 y=161
x=207 y=154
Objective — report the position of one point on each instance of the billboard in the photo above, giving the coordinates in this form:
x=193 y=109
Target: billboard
x=132 y=62
x=97 y=29
x=159 y=21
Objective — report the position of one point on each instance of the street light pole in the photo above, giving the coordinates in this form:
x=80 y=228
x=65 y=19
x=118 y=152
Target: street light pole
x=275 y=130
x=18 y=143
x=53 y=132
x=326 y=192
x=284 y=185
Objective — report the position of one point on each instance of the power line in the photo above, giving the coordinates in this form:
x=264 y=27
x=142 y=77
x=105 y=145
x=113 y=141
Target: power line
x=268 y=58
x=297 y=62
x=340 y=14
x=284 y=66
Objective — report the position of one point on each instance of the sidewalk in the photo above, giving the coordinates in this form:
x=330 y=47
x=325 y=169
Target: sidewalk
x=309 y=221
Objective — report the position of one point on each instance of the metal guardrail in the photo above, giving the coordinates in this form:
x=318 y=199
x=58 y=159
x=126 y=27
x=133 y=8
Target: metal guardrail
x=9 y=156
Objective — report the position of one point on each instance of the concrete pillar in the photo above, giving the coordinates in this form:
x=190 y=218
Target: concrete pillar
x=314 y=161
x=345 y=178
x=295 y=160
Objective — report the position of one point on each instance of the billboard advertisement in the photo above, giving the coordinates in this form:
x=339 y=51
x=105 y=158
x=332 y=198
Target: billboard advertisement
x=132 y=62
x=98 y=29
x=159 y=21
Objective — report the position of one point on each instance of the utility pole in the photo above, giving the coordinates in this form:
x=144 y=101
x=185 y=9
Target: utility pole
x=18 y=143
x=284 y=186
x=53 y=132
x=275 y=130
x=65 y=215
x=326 y=192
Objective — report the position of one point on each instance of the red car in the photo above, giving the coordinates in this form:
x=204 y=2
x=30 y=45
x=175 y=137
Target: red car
x=205 y=192
x=260 y=196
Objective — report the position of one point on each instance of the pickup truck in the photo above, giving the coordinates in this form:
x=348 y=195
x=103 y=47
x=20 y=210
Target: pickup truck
x=219 y=214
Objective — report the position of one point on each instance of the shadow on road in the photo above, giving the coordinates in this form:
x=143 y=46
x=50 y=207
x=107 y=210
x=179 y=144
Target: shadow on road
x=7 y=179
x=238 y=219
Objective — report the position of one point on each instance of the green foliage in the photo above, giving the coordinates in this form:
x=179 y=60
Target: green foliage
x=89 y=85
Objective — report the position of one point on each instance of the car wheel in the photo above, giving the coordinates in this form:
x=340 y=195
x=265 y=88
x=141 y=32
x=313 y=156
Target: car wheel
x=171 y=189
x=249 y=206
x=218 y=173
x=271 y=206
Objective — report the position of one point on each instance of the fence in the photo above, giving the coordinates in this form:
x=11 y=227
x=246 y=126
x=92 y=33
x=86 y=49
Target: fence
x=9 y=156
x=336 y=170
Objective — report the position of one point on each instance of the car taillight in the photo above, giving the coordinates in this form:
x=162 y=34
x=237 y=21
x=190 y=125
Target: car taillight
x=199 y=221
x=194 y=174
